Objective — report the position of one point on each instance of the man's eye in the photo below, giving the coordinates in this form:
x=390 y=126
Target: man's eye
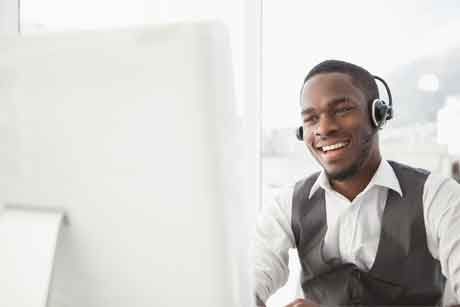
x=344 y=110
x=310 y=119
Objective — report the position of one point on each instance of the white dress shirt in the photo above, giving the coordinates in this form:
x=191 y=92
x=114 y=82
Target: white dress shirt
x=353 y=229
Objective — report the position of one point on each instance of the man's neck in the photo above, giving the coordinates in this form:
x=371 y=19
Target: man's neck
x=354 y=185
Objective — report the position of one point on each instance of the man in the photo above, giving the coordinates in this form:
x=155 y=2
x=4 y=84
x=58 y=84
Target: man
x=368 y=231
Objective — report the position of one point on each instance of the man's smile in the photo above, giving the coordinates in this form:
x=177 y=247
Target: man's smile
x=332 y=150
x=333 y=146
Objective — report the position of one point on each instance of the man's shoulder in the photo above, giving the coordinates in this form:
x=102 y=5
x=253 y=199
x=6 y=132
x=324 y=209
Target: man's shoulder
x=434 y=180
x=438 y=184
x=411 y=170
x=433 y=177
x=284 y=193
x=308 y=180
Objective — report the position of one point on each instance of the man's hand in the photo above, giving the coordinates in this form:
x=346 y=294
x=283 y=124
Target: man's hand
x=300 y=302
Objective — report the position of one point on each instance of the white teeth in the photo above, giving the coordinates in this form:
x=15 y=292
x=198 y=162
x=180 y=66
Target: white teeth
x=333 y=146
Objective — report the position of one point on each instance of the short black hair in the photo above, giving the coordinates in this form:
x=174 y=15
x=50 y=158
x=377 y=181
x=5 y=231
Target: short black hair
x=363 y=79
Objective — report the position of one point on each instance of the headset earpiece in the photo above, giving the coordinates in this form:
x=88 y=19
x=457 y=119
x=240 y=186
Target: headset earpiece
x=299 y=133
x=380 y=113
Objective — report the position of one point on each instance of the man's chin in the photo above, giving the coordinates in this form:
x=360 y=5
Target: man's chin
x=342 y=174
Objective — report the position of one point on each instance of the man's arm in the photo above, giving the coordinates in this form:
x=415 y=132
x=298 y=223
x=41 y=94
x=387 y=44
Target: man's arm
x=272 y=240
x=442 y=221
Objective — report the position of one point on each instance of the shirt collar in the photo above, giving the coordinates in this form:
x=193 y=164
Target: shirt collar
x=384 y=176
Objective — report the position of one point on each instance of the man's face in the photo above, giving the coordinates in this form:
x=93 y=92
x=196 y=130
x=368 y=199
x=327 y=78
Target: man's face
x=337 y=128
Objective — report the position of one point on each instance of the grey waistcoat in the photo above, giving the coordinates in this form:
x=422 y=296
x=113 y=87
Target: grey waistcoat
x=403 y=273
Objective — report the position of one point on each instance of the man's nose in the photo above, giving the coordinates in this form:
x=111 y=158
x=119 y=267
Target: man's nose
x=326 y=126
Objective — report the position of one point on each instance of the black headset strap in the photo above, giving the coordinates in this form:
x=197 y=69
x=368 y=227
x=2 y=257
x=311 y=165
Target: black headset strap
x=387 y=88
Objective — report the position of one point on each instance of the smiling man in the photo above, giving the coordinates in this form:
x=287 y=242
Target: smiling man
x=367 y=231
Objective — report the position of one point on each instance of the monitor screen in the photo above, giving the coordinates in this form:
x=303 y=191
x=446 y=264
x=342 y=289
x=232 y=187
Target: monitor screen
x=134 y=134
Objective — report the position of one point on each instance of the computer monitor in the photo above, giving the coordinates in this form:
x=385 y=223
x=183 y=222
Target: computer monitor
x=134 y=134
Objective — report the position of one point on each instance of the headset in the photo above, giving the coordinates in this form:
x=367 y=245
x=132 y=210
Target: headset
x=380 y=111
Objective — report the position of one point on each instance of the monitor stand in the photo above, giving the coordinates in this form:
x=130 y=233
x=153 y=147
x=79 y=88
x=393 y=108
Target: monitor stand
x=28 y=237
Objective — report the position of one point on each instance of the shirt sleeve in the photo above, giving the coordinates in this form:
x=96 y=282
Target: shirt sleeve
x=272 y=240
x=441 y=200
